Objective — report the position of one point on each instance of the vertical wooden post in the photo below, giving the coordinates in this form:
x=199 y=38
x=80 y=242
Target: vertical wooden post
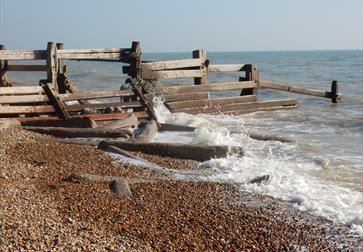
x=3 y=67
x=52 y=64
x=135 y=63
x=62 y=88
x=204 y=79
x=252 y=74
x=334 y=91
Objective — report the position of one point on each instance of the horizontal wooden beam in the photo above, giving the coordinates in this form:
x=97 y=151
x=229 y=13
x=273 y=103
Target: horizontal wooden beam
x=26 y=109
x=172 y=64
x=226 y=68
x=95 y=95
x=211 y=102
x=17 y=99
x=182 y=96
x=21 y=90
x=23 y=54
x=210 y=87
x=24 y=68
x=247 y=111
x=79 y=107
x=239 y=106
x=113 y=116
x=299 y=90
x=152 y=75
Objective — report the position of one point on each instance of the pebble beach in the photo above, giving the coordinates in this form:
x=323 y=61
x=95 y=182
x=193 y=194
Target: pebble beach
x=41 y=210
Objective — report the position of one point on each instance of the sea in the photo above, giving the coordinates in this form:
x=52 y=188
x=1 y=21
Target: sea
x=320 y=172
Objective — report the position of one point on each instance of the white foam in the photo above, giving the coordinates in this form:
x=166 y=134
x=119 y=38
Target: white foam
x=292 y=170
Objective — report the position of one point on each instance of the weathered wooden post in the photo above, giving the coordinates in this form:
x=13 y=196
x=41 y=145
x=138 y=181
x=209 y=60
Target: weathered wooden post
x=252 y=74
x=334 y=91
x=201 y=80
x=62 y=88
x=3 y=68
x=135 y=61
x=52 y=63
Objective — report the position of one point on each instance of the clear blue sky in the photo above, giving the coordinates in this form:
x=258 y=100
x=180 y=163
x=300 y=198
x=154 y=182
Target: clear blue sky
x=162 y=25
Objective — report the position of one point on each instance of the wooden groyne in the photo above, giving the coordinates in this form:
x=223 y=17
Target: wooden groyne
x=58 y=101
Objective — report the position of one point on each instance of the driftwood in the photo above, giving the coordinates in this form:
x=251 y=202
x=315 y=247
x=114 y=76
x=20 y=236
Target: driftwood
x=117 y=185
x=148 y=132
x=183 y=151
x=80 y=132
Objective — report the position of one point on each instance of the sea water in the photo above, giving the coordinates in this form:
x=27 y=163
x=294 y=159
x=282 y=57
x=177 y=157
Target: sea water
x=321 y=172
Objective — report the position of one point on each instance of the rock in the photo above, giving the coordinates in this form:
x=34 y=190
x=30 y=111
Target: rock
x=259 y=180
x=120 y=187
x=148 y=132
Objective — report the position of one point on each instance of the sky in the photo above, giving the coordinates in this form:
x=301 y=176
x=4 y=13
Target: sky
x=185 y=25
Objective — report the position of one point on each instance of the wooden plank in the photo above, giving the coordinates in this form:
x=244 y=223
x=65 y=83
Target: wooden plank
x=247 y=111
x=172 y=64
x=226 y=68
x=25 y=68
x=26 y=109
x=113 y=116
x=210 y=87
x=63 y=52
x=54 y=96
x=211 y=102
x=96 y=95
x=172 y=74
x=239 y=106
x=288 y=88
x=79 y=107
x=52 y=63
x=182 y=96
x=23 y=55
x=200 y=79
x=17 y=99
x=79 y=56
x=21 y=90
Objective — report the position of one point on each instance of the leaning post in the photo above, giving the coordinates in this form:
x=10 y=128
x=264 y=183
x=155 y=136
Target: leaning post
x=201 y=54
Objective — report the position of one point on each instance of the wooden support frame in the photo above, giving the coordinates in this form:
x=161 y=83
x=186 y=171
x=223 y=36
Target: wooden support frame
x=201 y=80
x=52 y=63
x=4 y=82
x=54 y=97
x=252 y=74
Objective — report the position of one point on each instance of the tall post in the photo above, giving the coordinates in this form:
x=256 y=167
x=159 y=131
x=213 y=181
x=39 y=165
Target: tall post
x=52 y=63
x=62 y=88
x=252 y=74
x=201 y=54
x=334 y=91
x=135 y=62
x=3 y=67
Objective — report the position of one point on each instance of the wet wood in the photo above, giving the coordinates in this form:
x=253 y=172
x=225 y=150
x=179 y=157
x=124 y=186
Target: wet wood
x=210 y=87
x=181 y=96
x=239 y=106
x=253 y=110
x=211 y=102
x=27 y=68
x=182 y=151
x=80 y=132
x=114 y=116
x=57 y=101
x=172 y=64
x=57 y=122
x=80 y=107
x=174 y=127
x=334 y=92
x=3 y=68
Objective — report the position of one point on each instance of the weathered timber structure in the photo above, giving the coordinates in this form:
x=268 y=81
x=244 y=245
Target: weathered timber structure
x=56 y=101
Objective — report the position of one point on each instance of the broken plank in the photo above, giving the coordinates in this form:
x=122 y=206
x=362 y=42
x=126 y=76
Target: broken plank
x=96 y=94
x=211 y=102
x=239 y=106
x=288 y=88
x=172 y=64
x=21 y=90
x=17 y=99
x=26 y=109
x=79 y=107
x=226 y=68
x=172 y=74
x=210 y=87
